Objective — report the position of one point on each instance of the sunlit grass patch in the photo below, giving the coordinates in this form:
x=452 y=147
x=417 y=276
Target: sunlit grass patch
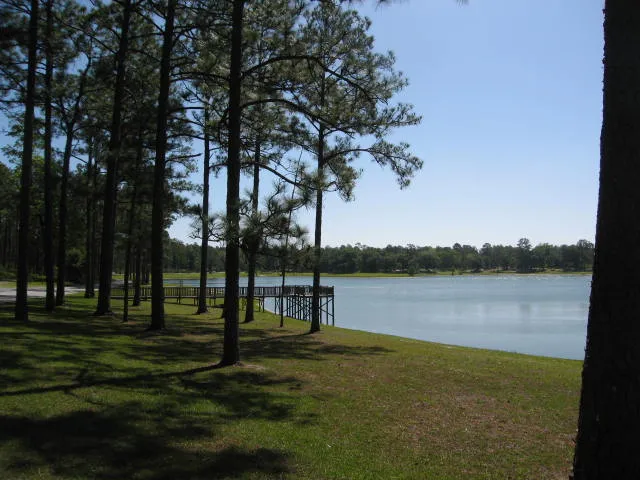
x=91 y=397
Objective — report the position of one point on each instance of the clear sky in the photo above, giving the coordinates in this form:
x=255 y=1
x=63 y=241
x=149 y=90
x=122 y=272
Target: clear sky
x=511 y=97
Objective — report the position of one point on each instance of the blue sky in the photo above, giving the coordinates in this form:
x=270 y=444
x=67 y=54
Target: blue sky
x=511 y=97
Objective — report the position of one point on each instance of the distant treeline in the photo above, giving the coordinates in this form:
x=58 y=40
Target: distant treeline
x=410 y=259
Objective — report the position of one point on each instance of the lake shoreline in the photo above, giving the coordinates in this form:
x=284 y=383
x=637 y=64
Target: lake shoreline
x=196 y=275
x=538 y=314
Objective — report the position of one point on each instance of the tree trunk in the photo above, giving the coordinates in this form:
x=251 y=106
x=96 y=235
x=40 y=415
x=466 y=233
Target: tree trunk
x=317 y=245
x=66 y=160
x=254 y=241
x=145 y=272
x=136 y=276
x=22 y=279
x=285 y=255
x=204 y=245
x=89 y=222
x=132 y=219
x=127 y=272
x=47 y=233
x=283 y=284
x=159 y=190
x=62 y=218
x=231 y=349
x=109 y=213
x=5 y=245
x=609 y=420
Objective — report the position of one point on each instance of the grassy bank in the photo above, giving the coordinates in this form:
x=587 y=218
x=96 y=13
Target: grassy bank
x=85 y=397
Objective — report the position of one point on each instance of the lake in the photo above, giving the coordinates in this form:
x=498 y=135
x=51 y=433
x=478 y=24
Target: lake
x=534 y=314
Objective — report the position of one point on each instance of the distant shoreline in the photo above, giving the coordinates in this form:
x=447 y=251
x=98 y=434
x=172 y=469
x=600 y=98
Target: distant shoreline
x=9 y=283
x=196 y=275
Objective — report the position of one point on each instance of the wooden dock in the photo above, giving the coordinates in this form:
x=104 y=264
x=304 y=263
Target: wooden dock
x=294 y=301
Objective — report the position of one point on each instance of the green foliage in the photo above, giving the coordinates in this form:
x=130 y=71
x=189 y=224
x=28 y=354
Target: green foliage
x=410 y=259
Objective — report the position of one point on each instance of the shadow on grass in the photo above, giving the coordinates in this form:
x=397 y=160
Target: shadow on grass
x=120 y=443
x=163 y=426
x=302 y=346
x=140 y=406
x=79 y=350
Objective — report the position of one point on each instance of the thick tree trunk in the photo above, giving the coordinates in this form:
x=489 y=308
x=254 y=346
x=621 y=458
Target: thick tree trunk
x=22 y=279
x=254 y=242
x=607 y=444
x=109 y=208
x=231 y=348
x=204 y=245
x=47 y=233
x=159 y=189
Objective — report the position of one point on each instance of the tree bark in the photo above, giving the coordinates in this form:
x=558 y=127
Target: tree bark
x=285 y=255
x=204 y=245
x=317 y=245
x=254 y=241
x=62 y=218
x=132 y=219
x=89 y=223
x=66 y=160
x=136 y=276
x=26 y=176
x=109 y=217
x=609 y=420
x=230 y=348
x=48 y=236
x=159 y=189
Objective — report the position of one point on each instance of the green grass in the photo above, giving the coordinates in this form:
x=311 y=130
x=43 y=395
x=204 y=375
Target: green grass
x=92 y=398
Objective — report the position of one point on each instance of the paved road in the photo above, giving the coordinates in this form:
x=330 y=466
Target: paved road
x=8 y=295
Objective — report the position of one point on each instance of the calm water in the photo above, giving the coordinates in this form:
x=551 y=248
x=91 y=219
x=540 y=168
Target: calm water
x=534 y=314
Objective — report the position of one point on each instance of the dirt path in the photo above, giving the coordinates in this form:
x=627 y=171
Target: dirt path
x=8 y=295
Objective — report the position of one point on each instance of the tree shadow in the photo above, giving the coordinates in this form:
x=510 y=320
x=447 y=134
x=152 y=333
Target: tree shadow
x=173 y=433
x=303 y=346
x=116 y=444
x=105 y=366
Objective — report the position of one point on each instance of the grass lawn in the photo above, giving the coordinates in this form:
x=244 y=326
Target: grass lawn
x=91 y=398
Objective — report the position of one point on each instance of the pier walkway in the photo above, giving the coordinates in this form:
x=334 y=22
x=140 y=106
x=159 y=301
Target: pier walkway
x=294 y=301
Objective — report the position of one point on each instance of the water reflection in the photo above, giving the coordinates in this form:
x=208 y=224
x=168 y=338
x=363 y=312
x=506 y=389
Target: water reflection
x=534 y=314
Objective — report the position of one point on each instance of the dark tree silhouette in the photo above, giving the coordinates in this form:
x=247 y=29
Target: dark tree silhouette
x=159 y=174
x=109 y=209
x=204 y=245
x=47 y=244
x=231 y=350
x=21 y=310
x=607 y=444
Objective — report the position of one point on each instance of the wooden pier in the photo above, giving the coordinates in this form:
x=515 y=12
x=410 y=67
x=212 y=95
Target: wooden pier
x=294 y=301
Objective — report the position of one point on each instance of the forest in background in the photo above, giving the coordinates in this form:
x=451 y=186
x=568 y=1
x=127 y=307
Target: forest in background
x=410 y=259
